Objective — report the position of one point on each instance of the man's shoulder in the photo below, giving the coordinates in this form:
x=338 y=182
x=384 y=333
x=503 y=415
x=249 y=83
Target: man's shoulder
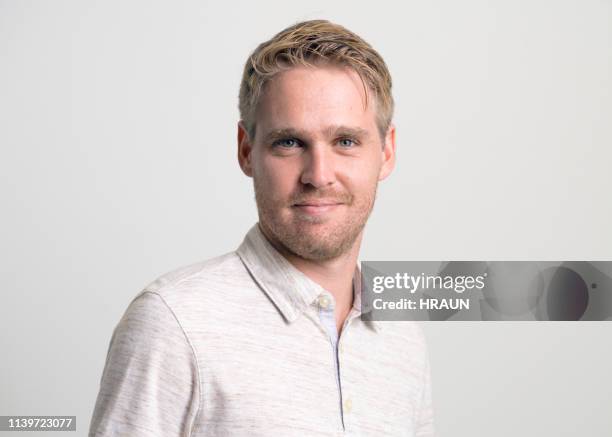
x=196 y=280
x=183 y=275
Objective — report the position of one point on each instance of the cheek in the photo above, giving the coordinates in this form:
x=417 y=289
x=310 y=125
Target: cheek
x=277 y=177
x=363 y=176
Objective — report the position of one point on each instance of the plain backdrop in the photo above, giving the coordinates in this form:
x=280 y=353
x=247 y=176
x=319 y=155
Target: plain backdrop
x=118 y=164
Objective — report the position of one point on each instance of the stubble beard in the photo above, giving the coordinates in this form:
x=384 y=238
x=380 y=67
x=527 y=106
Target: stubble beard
x=311 y=237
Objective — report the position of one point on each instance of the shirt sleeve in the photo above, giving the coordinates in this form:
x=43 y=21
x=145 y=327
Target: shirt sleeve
x=425 y=419
x=150 y=384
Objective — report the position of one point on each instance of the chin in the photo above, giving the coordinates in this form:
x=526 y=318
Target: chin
x=311 y=237
x=315 y=251
x=319 y=245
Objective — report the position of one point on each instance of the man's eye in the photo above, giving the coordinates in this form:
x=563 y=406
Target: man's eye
x=346 y=142
x=287 y=143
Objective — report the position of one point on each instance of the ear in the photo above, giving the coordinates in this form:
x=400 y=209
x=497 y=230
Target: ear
x=388 y=154
x=244 y=150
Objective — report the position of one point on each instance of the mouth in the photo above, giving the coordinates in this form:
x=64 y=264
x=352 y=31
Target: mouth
x=316 y=207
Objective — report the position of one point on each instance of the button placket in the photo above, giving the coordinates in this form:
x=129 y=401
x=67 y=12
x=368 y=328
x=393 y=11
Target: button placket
x=325 y=305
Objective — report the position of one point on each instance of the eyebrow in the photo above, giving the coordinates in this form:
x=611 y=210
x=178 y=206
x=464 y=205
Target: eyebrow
x=330 y=131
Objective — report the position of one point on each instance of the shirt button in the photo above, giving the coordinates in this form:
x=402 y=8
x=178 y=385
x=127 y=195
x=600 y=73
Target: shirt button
x=348 y=406
x=324 y=302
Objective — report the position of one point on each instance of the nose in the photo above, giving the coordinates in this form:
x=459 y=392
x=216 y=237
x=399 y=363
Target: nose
x=318 y=169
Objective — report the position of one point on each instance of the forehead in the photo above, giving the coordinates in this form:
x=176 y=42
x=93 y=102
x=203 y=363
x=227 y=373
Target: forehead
x=308 y=98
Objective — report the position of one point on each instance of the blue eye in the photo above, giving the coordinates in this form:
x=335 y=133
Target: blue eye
x=287 y=143
x=346 y=142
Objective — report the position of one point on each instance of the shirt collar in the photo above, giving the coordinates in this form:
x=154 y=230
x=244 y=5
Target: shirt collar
x=288 y=288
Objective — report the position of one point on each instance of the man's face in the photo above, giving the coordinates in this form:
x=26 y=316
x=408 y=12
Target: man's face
x=316 y=160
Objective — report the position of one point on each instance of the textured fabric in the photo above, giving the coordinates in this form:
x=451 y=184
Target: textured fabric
x=242 y=345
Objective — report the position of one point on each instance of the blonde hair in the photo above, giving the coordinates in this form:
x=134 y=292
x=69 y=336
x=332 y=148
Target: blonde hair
x=307 y=44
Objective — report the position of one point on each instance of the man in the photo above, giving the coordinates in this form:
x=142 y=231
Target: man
x=267 y=340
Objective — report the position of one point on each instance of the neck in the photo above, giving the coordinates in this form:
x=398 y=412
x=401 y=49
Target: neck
x=335 y=275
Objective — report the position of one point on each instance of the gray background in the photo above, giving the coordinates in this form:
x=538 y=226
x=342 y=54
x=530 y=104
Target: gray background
x=118 y=126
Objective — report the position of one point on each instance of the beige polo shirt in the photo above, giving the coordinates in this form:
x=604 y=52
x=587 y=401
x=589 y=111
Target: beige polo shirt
x=243 y=345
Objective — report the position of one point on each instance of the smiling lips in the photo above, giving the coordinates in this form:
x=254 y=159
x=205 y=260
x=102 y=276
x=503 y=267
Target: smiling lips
x=318 y=206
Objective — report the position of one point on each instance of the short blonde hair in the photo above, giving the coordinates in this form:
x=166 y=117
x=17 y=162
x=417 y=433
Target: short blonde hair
x=307 y=44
